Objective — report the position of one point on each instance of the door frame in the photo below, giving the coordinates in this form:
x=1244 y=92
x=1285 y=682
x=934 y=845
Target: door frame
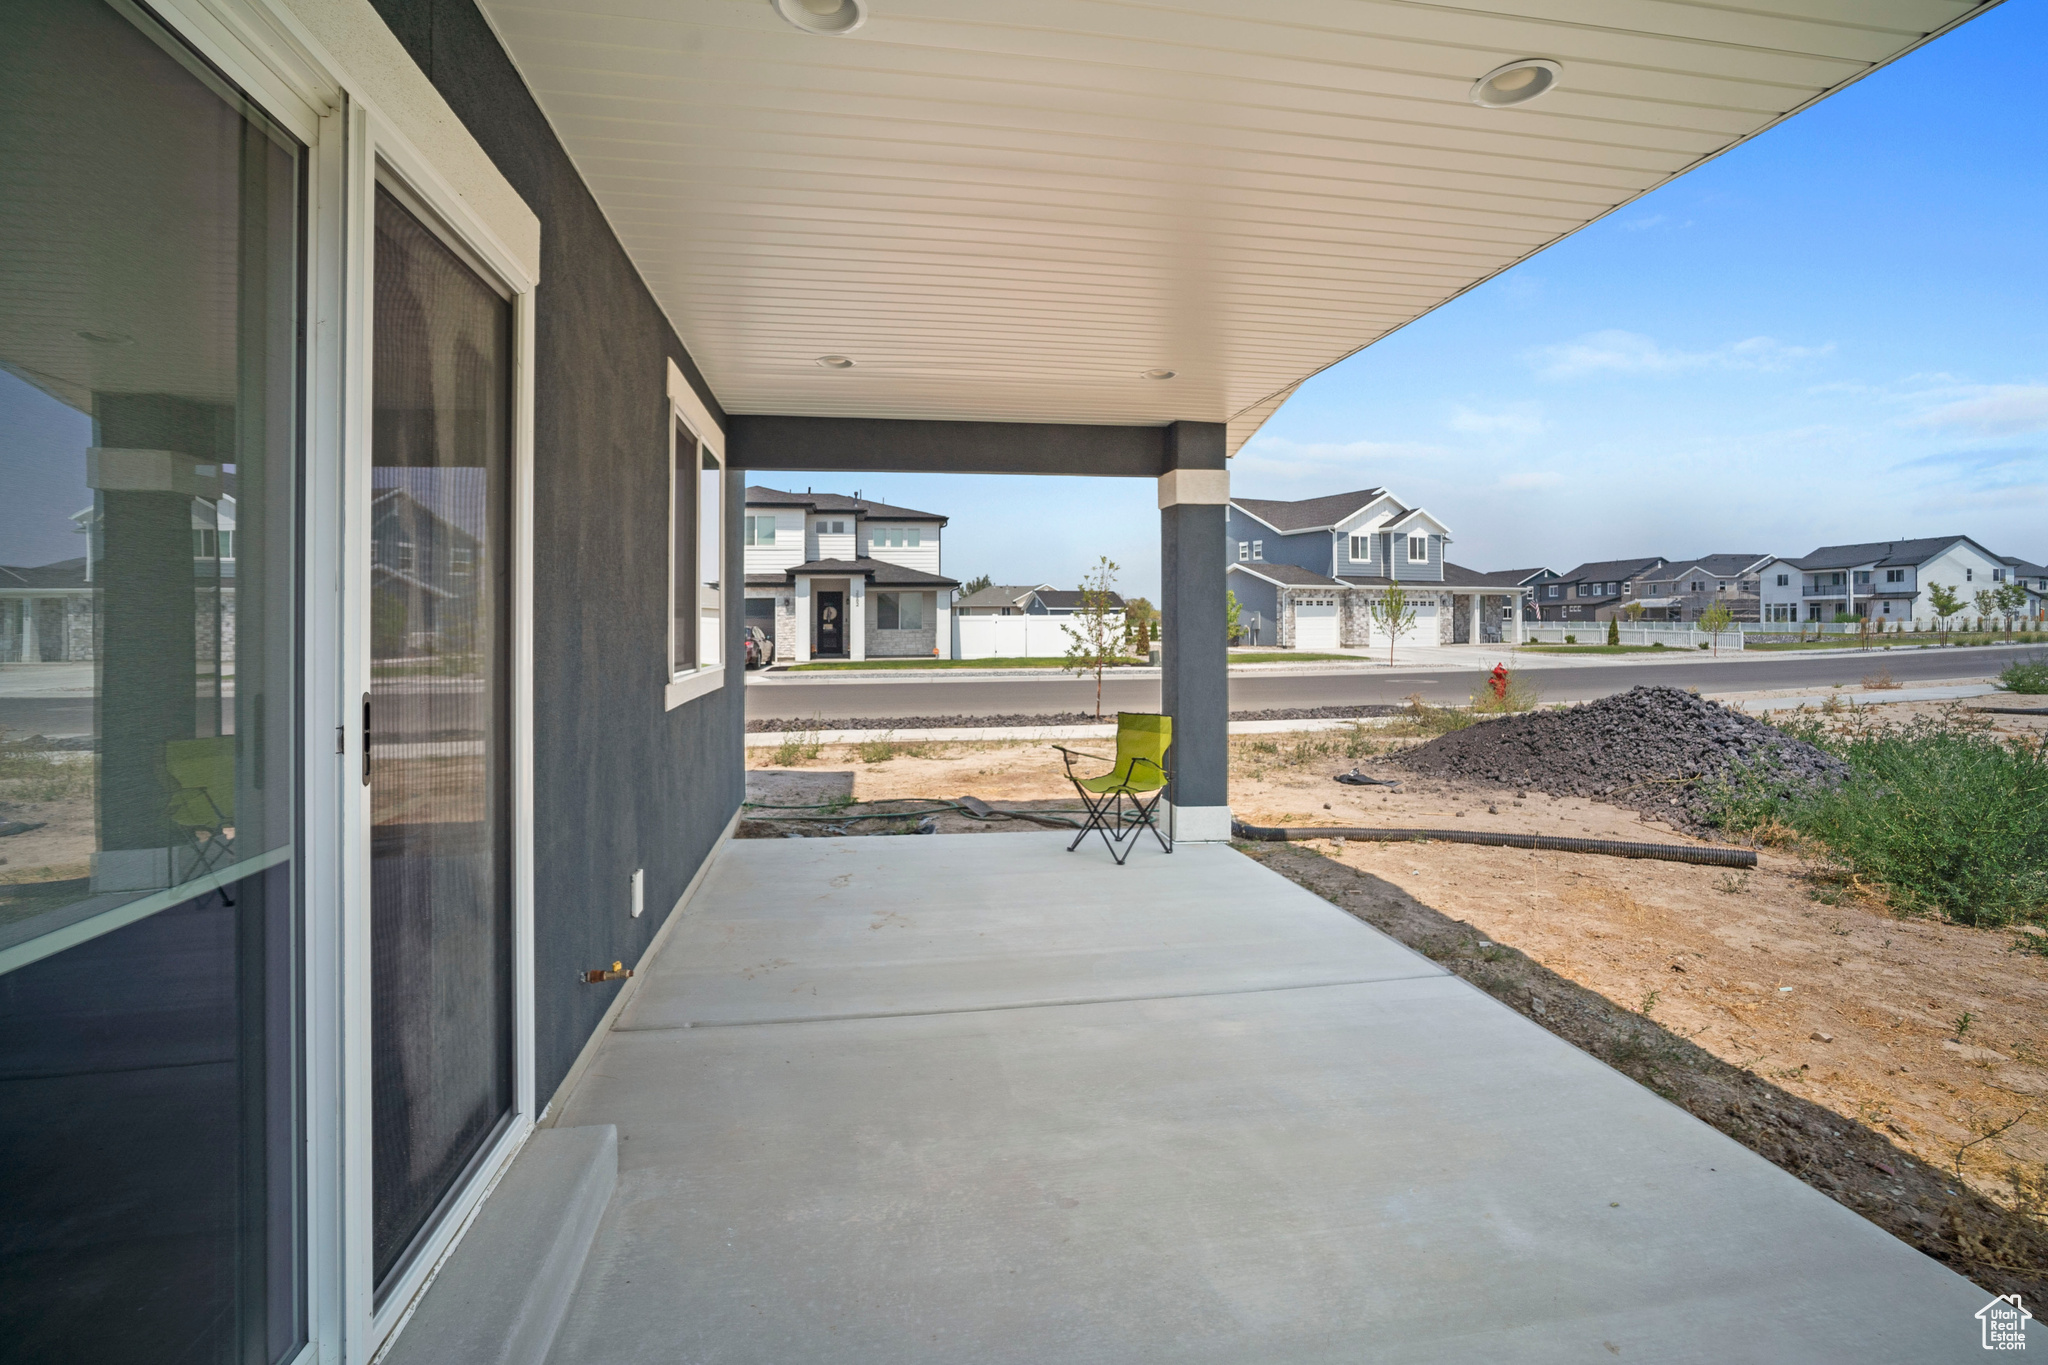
x=382 y=112
x=818 y=595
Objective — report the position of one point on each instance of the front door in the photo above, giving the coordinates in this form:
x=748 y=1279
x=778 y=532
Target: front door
x=831 y=623
x=438 y=722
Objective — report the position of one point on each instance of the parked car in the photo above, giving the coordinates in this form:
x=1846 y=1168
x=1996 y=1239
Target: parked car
x=760 y=647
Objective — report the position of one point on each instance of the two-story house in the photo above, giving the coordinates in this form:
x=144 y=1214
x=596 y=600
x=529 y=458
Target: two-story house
x=1580 y=594
x=1684 y=588
x=2032 y=577
x=845 y=578
x=1307 y=572
x=1886 y=581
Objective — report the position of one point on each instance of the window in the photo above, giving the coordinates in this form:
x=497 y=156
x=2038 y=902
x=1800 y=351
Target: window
x=1418 y=549
x=1784 y=580
x=1894 y=575
x=759 y=531
x=1244 y=551
x=1863 y=578
x=1258 y=549
x=1998 y=575
x=1555 y=589
x=1887 y=612
x=899 y=611
x=1698 y=586
x=149 y=373
x=1361 y=549
x=1969 y=575
x=696 y=554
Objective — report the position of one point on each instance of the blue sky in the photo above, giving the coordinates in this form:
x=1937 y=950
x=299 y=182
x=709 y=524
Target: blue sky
x=1838 y=331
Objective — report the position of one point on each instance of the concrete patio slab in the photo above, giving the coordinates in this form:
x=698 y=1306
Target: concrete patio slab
x=1256 y=1162
x=831 y=928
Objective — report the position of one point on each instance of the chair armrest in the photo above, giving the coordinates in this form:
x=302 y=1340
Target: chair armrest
x=1076 y=753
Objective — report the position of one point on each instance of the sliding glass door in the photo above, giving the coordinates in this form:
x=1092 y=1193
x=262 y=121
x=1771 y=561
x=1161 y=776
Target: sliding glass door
x=438 y=723
x=151 y=1129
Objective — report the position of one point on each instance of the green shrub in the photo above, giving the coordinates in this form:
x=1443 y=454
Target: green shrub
x=1941 y=816
x=2029 y=676
x=1571 y=639
x=1613 y=631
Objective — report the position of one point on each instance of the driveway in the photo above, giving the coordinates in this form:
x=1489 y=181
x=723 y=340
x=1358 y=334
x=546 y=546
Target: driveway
x=949 y=1099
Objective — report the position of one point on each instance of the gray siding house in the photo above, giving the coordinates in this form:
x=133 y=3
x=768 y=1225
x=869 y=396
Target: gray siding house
x=1306 y=572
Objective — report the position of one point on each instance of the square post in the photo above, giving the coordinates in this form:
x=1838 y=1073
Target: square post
x=856 y=618
x=801 y=608
x=942 y=603
x=1194 y=684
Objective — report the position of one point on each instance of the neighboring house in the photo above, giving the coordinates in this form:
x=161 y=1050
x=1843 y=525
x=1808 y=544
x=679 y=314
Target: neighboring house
x=2034 y=578
x=425 y=569
x=1683 y=588
x=1306 y=573
x=1580 y=594
x=1066 y=602
x=845 y=578
x=1526 y=579
x=46 y=613
x=999 y=599
x=1886 y=581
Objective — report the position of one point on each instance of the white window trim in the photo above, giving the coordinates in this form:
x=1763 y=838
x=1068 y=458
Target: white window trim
x=1258 y=551
x=688 y=412
x=1422 y=558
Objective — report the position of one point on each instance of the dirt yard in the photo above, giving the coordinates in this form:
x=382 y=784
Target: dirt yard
x=1899 y=1065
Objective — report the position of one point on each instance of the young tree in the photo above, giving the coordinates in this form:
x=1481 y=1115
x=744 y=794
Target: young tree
x=1393 y=610
x=1096 y=630
x=1614 y=631
x=1714 y=620
x=1945 y=603
x=974 y=585
x=1231 y=626
x=1140 y=626
x=1634 y=611
x=1987 y=602
x=2012 y=602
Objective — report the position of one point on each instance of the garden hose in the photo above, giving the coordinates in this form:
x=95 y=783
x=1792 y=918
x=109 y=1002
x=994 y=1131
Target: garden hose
x=1551 y=843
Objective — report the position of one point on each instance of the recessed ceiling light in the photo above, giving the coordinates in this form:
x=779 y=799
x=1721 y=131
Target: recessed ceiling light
x=832 y=17
x=835 y=362
x=1159 y=374
x=1515 y=83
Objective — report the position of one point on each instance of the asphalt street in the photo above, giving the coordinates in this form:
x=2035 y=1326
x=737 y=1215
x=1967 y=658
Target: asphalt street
x=796 y=697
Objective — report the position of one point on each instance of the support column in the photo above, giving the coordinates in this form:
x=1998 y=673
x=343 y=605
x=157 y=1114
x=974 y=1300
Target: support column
x=1194 y=684
x=942 y=603
x=1477 y=636
x=801 y=606
x=856 y=618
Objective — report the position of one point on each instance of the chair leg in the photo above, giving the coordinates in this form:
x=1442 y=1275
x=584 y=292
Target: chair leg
x=1097 y=811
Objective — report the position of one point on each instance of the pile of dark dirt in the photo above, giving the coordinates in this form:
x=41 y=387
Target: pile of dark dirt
x=1661 y=751
x=780 y=727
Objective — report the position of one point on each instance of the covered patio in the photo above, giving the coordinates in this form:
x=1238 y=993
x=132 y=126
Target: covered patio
x=977 y=1099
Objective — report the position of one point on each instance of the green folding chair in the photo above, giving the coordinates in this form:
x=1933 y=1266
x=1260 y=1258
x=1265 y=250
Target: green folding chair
x=199 y=777
x=1140 y=771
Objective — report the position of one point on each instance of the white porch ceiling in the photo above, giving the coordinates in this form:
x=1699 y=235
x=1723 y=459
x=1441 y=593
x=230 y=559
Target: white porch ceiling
x=1011 y=209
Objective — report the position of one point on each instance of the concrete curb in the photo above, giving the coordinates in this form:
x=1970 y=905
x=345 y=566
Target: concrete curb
x=774 y=739
x=1766 y=705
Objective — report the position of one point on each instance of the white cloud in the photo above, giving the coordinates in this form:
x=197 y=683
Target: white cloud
x=2002 y=410
x=1517 y=419
x=1618 y=352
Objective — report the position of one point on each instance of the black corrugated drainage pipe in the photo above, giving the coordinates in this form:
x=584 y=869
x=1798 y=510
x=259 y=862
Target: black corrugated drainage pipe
x=1670 y=853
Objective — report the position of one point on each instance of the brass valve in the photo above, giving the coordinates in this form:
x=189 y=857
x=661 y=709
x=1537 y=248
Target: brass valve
x=619 y=972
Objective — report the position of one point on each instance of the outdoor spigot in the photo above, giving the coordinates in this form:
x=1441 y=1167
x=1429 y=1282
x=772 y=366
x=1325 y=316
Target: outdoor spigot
x=619 y=972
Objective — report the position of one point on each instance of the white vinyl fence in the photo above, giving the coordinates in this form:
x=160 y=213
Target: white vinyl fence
x=1670 y=634
x=1014 y=637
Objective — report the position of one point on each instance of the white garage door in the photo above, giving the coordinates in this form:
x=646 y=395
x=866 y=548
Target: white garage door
x=1315 y=625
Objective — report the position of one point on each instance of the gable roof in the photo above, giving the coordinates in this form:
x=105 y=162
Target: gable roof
x=1885 y=552
x=1411 y=514
x=1717 y=566
x=879 y=572
x=834 y=502
x=65 y=573
x=1457 y=575
x=1612 y=570
x=1069 y=599
x=1284 y=575
x=1522 y=578
x=1309 y=514
x=1000 y=595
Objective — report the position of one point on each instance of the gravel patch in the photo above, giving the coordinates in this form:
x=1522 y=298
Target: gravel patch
x=778 y=727
x=1660 y=751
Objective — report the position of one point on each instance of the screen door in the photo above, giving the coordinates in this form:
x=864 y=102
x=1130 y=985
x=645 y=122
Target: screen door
x=437 y=754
